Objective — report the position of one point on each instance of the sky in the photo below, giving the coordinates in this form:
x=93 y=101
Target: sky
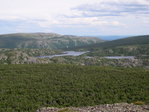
x=75 y=17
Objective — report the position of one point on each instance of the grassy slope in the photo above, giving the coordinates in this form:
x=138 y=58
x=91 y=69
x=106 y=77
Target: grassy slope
x=26 y=88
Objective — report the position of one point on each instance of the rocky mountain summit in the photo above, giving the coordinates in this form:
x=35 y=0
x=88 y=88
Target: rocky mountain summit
x=118 y=107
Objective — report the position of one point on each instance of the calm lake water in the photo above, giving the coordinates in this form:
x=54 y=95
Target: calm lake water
x=119 y=57
x=66 y=53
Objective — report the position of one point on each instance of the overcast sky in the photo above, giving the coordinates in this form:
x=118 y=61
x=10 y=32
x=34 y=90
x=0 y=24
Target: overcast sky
x=76 y=17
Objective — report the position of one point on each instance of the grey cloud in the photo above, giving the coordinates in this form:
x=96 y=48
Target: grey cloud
x=113 y=9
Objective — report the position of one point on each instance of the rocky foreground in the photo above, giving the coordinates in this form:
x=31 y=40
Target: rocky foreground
x=118 y=107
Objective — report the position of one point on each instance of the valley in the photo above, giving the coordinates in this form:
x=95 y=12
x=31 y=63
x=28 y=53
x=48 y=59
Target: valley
x=137 y=48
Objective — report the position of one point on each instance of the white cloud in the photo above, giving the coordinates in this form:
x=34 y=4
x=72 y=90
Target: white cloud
x=114 y=8
x=80 y=22
x=75 y=13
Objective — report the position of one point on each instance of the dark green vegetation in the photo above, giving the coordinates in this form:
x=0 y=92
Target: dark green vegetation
x=26 y=88
x=136 y=40
x=44 y=40
x=134 y=50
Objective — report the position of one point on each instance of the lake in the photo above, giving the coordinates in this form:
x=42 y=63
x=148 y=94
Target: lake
x=66 y=53
x=119 y=57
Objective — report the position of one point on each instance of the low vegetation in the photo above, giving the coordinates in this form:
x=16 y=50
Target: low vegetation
x=26 y=88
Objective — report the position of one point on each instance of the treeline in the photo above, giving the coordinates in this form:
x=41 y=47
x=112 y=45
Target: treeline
x=26 y=88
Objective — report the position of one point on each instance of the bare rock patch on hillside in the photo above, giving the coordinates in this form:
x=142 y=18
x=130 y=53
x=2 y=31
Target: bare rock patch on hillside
x=118 y=107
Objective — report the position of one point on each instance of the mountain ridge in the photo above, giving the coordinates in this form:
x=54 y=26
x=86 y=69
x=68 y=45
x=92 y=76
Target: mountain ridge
x=44 y=40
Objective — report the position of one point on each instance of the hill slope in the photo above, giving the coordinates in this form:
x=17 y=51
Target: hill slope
x=44 y=40
x=131 y=46
x=136 y=40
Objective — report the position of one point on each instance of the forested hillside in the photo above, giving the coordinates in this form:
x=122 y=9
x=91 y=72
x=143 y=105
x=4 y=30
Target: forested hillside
x=136 y=40
x=131 y=46
x=26 y=88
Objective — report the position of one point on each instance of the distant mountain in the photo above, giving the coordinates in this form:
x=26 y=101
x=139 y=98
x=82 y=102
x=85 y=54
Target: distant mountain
x=111 y=37
x=45 y=40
